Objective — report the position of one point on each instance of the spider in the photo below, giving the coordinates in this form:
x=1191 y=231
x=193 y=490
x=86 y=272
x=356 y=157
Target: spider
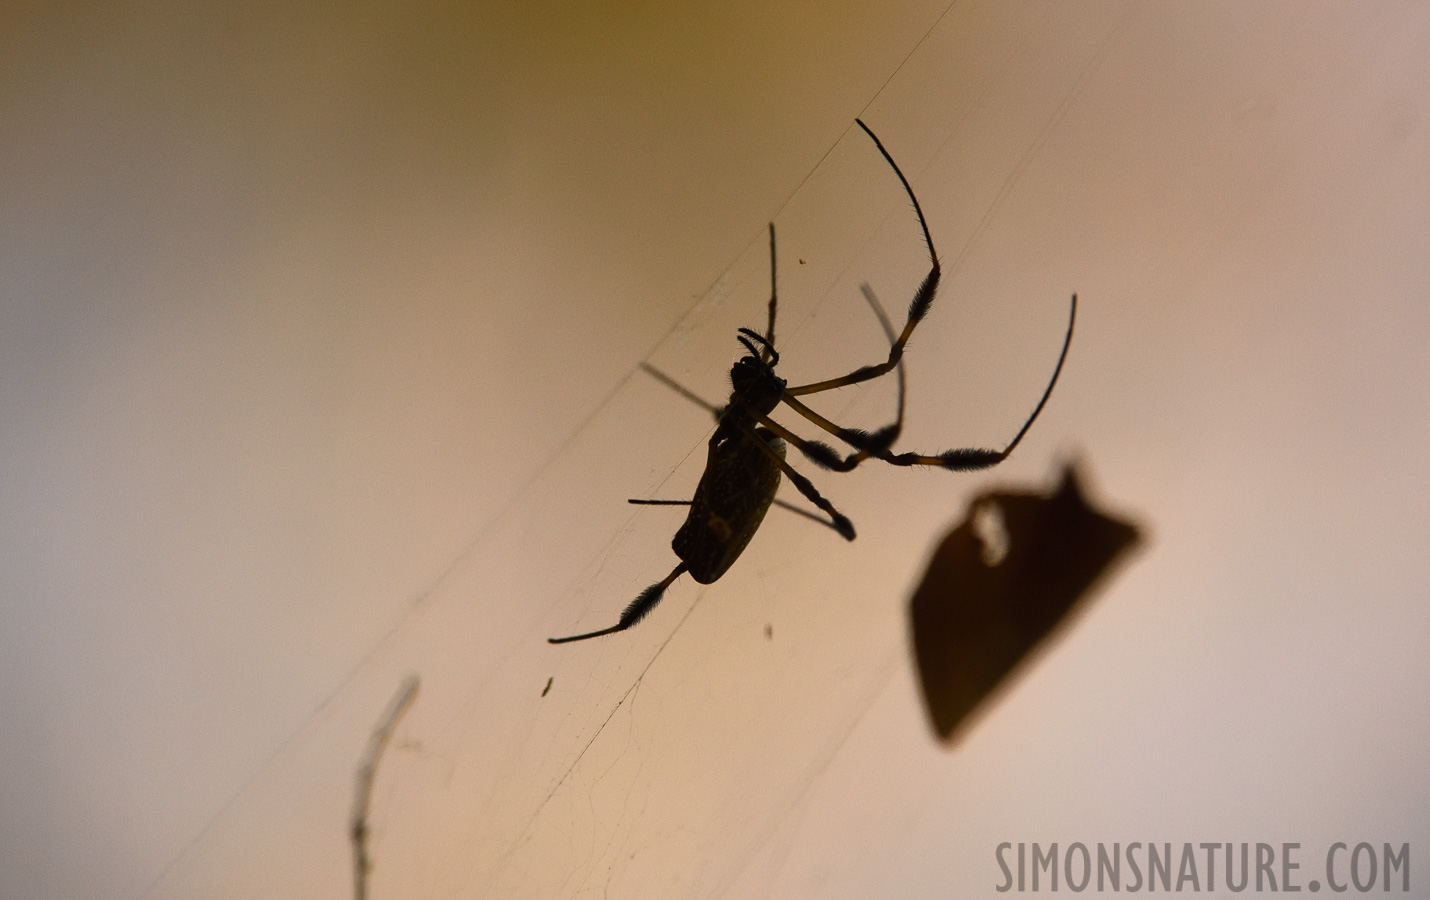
x=746 y=455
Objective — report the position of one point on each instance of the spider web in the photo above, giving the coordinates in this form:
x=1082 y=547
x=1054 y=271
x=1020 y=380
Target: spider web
x=629 y=771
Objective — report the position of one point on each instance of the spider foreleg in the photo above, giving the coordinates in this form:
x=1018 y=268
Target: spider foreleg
x=682 y=390
x=918 y=307
x=876 y=444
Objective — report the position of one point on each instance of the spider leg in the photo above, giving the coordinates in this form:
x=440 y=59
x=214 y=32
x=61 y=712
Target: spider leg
x=866 y=443
x=875 y=445
x=774 y=302
x=819 y=453
x=837 y=520
x=683 y=391
x=918 y=308
x=783 y=504
x=637 y=610
x=897 y=426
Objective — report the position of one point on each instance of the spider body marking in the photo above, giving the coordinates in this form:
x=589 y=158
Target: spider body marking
x=745 y=458
x=730 y=502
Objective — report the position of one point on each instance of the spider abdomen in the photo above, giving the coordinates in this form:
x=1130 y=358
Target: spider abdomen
x=730 y=502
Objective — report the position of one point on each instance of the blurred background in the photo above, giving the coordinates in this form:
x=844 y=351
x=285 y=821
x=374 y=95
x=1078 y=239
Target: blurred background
x=320 y=333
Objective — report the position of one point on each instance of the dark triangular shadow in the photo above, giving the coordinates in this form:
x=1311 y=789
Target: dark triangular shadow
x=993 y=595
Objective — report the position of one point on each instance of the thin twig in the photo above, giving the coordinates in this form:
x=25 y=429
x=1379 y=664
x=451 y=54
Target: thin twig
x=367 y=773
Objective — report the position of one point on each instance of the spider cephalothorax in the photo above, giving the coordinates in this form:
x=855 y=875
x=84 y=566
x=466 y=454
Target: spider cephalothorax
x=756 y=386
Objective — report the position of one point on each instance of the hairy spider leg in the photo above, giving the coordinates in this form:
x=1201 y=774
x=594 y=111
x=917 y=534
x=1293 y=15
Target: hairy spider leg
x=962 y=460
x=918 y=308
x=869 y=442
x=637 y=610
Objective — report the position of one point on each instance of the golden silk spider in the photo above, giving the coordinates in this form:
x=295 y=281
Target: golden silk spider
x=746 y=454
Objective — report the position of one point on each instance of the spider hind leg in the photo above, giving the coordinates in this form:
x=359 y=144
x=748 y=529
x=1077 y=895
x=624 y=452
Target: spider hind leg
x=638 y=609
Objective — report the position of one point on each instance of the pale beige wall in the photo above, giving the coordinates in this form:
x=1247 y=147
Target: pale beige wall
x=318 y=366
